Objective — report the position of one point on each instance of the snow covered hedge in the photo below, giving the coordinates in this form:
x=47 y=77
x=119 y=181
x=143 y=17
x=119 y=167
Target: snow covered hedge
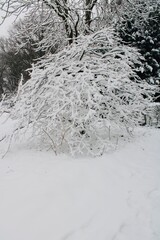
x=77 y=99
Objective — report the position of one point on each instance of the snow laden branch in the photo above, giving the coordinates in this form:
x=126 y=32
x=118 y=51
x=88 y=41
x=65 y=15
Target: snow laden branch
x=82 y=98
x=75 y=16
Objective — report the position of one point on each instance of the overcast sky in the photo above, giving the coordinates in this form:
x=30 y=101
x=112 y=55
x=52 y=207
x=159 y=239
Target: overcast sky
x=6 y=25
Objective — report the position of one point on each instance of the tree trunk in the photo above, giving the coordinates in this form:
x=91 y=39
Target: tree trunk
x=89 y=5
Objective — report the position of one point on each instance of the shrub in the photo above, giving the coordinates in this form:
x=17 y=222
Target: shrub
x=76 y=98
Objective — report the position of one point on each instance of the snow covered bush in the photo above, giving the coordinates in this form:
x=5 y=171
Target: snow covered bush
x=78 y=98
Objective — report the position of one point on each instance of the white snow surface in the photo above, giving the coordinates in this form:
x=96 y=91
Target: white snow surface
x=113 y=197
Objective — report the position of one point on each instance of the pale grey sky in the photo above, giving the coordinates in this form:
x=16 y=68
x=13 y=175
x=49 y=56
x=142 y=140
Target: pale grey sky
x=6 y=25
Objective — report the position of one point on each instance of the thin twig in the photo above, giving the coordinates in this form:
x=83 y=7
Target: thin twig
x=2 y=138
x=53 y=143
x=9 y=145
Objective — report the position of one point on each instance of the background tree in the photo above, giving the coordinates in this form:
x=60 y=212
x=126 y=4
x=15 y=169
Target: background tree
x=15 y=59
x=141 y=29
x=74 y=15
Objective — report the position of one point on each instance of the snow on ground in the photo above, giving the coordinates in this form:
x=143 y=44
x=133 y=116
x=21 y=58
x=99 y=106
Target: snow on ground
x=113 y=197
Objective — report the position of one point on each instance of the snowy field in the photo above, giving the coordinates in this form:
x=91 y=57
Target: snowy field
x=113 y=197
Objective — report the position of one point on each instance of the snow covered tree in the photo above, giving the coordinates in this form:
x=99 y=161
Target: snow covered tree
x=82 y=99
x=46 y=38
x=17 y=53
x=141 y=29
x=75 y=16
